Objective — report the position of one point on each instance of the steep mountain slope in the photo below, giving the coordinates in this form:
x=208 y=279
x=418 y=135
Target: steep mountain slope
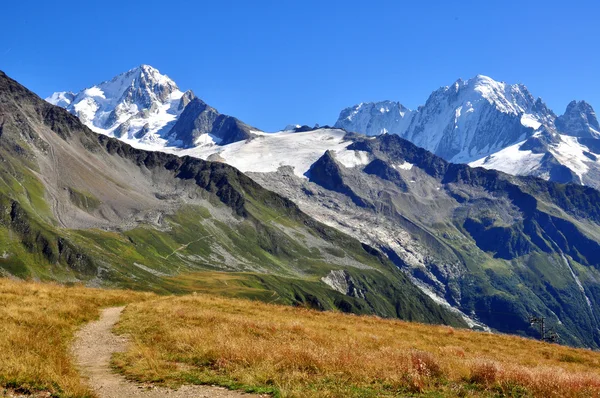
x=77 y=206
x=494 y=125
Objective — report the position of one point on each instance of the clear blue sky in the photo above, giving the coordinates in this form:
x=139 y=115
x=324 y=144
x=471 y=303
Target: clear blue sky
x=272 y=63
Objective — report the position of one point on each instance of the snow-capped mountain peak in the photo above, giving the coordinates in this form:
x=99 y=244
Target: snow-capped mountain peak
x=508 y=98
x=462 y=122
x=579 y=120
x=139 y=103
x=147 y=110
x=61 y=98
x=474 y=118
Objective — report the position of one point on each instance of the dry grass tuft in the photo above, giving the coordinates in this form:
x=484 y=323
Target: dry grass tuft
x=425 y=364
x=37 y=322
x=295 y=352
x=484 y=371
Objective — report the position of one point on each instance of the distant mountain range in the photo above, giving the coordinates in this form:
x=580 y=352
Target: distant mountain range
x=479 y=121
x=494 y=125
x=489 y=247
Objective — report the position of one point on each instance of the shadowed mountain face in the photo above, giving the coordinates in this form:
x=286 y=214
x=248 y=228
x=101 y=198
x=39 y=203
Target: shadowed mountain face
x=77 y=206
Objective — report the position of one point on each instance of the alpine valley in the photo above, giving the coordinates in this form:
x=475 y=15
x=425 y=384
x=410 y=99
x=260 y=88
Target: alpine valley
x=150 y=187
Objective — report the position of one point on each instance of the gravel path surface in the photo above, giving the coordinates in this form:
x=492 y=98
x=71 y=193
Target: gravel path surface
x=94 y=345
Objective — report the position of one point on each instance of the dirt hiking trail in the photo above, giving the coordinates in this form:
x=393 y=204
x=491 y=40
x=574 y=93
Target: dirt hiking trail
x=93 y=347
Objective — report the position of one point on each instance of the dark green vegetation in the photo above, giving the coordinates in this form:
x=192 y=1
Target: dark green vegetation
x=498 y=247
x=76 y=206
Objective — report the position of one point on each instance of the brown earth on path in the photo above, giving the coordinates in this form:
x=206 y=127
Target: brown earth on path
x=93 y=347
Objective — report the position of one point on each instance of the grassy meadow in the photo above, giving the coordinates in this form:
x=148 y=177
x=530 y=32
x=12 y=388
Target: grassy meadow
x=37 y=323
x=269 y=348
x=297 y=352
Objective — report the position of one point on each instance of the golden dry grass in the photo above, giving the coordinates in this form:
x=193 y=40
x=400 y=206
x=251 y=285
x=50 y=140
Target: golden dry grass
x=294 y=352
x=37 y=323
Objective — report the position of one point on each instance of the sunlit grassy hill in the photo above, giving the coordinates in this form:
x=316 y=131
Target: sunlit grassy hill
x=282 y=350
x=297 y=352
x=37 y=323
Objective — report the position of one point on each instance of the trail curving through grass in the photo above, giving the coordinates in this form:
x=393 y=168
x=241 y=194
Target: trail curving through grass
x=93 y=348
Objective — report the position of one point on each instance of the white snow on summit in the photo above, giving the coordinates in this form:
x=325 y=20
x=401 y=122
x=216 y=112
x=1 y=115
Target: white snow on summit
x=473 y=119
x=507 y=98
x=139 y=104
x=462 y=122
x=374 y=118
x=62 y=98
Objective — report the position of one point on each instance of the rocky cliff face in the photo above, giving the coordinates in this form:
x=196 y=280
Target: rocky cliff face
x=579 y=120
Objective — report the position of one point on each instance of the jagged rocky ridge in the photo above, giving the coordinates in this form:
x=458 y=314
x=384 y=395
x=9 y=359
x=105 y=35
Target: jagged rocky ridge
x=201 y=123
x=494 y=125
x=78 y=206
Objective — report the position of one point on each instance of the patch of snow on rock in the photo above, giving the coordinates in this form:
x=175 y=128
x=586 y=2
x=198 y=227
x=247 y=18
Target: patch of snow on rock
x=404 y=166
x=529 y=120
x=511 y=160
x=351 y=158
